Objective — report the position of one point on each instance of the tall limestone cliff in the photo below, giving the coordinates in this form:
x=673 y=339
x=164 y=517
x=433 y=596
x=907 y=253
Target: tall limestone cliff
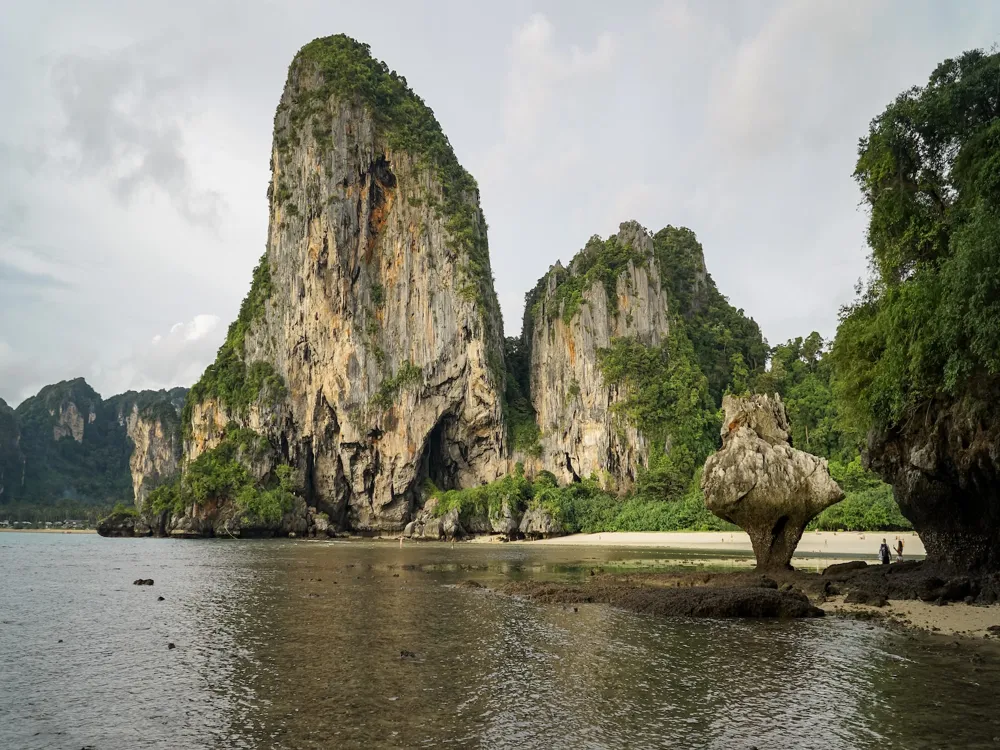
x=67 y=444
x=612 y=289
x=624 y=369
x=369 y=351
x=151 y=420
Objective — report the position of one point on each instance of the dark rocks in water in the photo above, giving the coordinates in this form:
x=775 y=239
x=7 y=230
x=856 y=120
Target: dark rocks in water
x=471 y=585
x=159 y=598
x=866 y=596
x=846 y=567
x=404 y=654
x=127 y=524
x=761 y=483
x=142 y=582
x=695 y=601
x=944 y=467
x=171 y=646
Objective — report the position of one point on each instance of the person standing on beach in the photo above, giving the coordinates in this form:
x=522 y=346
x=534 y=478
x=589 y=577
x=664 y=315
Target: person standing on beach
x=899 y=549
x=883 y=553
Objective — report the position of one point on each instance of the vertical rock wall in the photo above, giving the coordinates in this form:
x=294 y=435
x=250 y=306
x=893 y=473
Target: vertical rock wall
x=384 y=329
x=580 y=434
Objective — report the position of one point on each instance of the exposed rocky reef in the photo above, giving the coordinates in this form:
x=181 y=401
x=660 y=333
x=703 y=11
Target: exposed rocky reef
x=943 y=463
x=761 y=483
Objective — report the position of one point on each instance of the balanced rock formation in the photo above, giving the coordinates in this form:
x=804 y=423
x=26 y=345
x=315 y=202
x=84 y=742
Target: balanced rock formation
x=944 y=467
x=761 y=483
x=369 y=351
x=612 y=289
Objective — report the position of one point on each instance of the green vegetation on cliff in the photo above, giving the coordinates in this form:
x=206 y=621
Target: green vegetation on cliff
x=349 y=72
x=728 y=345
x=222 y=475
x=71 y=449
x=230 y=379
x=600 y=261
x=928 y=323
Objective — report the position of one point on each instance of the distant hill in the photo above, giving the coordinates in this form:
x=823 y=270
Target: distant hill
x=68 y=448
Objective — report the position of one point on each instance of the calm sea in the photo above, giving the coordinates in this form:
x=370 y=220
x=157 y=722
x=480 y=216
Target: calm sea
x=296 y=644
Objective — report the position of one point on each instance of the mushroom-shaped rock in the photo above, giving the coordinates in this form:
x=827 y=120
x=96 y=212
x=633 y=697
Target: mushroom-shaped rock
x=761 y=483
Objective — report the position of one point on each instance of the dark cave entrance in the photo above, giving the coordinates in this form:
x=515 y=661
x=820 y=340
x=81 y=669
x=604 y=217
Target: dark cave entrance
x=437 y=462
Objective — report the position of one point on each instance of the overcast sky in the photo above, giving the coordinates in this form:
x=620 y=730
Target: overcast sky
x=135 y=137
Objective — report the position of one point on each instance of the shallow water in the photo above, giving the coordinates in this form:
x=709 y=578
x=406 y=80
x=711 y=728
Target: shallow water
x=296 y=644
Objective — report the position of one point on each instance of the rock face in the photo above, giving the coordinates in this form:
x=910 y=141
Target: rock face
x=156 y=451
x=374 y=305
x=944 y=467
x=761 y=483
x=572 y=314
x=67 y=443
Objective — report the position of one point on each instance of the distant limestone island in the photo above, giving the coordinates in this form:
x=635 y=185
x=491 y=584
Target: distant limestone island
x=366 y=385
x=66 y=452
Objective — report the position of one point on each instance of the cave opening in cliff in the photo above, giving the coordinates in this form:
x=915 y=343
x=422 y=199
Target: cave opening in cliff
x=437 y=463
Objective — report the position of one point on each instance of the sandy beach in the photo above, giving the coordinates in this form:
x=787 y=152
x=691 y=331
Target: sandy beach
x=54 y=531
x=854 y=544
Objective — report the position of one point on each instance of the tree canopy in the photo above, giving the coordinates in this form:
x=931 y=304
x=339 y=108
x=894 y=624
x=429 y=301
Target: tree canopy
x=927 y=324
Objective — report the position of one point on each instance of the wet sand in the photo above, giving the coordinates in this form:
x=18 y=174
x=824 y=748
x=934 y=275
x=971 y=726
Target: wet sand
x=857 y=545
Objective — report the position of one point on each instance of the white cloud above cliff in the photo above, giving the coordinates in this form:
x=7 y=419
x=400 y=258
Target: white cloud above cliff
x=135 y=138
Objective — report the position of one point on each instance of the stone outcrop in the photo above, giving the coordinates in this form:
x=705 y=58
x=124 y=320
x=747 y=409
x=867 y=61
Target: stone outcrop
x=943 y=463
x=156 y=448
x=70 y=422
x=761 y=483
x=67 y=442
x=581 y=435
x=374 y=304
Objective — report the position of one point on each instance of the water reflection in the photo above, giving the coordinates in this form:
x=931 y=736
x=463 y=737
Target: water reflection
x=294 y=644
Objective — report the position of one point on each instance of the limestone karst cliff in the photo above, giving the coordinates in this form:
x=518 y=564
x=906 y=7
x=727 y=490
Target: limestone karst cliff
x=369 y=351
x=68 y=444
x=612 y=289
x=622 y=361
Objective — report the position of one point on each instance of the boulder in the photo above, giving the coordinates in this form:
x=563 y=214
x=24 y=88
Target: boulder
x=428 y=524
x=761 y=483
x=538 y=523
x=126 y=524
x=507 y=522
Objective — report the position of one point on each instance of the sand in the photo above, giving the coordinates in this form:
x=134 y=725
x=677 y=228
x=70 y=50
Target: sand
x=955 y=619
x=854 y=544
x=54 y=531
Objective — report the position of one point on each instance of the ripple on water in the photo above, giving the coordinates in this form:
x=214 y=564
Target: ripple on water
x=297 y=645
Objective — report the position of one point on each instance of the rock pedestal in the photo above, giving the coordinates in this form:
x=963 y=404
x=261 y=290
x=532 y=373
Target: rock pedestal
x=761 y=483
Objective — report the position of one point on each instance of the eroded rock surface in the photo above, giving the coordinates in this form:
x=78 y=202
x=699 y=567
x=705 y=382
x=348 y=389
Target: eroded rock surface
x=761 y=483
x=380 y=317
x=943 y=463
x=581 y=436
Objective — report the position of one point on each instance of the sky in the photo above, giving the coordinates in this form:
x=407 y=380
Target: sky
x=135 y=139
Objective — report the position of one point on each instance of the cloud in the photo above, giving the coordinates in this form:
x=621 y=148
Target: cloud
x=538 y=69
x=122 y=122
x=177 y=357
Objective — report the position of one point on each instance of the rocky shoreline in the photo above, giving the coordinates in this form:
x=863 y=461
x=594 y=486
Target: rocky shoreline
x=914 y=596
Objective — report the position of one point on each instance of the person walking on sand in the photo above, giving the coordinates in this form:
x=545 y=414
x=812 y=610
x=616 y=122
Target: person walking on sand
x=899 y=549
x=883 y=553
